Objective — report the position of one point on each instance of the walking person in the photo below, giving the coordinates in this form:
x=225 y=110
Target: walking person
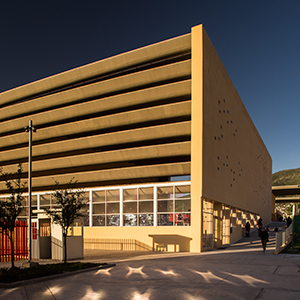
x=259 y=226
x=264 y=236
x=247 y=229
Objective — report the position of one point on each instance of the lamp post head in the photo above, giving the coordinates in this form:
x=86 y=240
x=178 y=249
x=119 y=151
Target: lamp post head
x=28 y=128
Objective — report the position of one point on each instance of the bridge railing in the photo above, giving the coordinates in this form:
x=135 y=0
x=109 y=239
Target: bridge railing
x=283 y=238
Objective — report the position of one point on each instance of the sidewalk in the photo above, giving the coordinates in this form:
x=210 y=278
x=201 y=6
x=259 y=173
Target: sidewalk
x=242 y=271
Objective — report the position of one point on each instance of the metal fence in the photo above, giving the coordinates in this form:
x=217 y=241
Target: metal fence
x=283 y=238
x=116 y=244
x=20 y=243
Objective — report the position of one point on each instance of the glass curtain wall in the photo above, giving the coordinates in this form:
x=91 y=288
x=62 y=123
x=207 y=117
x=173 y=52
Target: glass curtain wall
x=144 y=205
x=174 y=205
x=208 y=223
x=106 y=208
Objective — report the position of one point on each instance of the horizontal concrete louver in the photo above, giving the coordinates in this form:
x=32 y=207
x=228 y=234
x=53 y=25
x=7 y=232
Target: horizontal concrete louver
x=104 y=141
x=100 y=106
x=158 y=51
x=134 y=127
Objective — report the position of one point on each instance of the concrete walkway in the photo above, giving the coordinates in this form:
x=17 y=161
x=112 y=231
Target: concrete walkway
x=242 y=271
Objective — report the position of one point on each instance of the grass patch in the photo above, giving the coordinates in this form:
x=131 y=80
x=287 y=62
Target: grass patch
x=294 y=250
x=8 y=275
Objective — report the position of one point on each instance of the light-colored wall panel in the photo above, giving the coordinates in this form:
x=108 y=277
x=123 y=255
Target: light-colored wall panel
x=237 y=167
x=197 y=136
x=144 y=234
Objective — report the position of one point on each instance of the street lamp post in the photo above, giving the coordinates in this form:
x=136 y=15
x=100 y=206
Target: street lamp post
x=30 y=129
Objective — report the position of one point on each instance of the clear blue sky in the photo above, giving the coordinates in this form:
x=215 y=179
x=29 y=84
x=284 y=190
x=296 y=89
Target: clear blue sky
x=258 y=42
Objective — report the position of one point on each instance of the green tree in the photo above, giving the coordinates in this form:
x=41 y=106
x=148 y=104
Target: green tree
x=70 y=201
x=11 y=206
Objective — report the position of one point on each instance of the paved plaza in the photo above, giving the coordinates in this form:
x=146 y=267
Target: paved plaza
x=241 y=271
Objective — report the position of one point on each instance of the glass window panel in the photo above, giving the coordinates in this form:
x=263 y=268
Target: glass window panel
x=54 y=201
x=112 y=208
x=86 y=221
x=24 y=212
x=112 y=195
x=86 y=197
x=32 y=209
x=130 y=207
x=98 y=196
x=99 y=208
x=130 y=194
x=182 y=205
x=85 y=211
x=113 y=220
x=186 y=218
x=183 y=191
x=45 y=200
x=99 y=220
x=165 y=192
x=130 y=219
x=34 y=200
x=82 y=221
x=145 y=206
x=183 y=219
x=146 y=193
x=165 y=206
x=165 y=219
x=45 y=229
x=146 y=220
x=25 y=202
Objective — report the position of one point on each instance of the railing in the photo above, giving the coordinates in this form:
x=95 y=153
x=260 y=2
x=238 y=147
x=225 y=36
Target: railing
x=283 y=238
x=20 y=243
x=116 y=244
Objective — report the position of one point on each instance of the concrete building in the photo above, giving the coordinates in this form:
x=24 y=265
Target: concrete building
x=158 y=137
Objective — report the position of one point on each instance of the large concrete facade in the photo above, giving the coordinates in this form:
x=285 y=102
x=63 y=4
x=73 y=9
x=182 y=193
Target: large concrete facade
x=138 y=120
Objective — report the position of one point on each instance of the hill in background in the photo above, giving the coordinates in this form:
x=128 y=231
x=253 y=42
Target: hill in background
x=286 y=177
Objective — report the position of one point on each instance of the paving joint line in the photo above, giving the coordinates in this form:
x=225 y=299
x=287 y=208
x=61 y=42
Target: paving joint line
x=49 y=290
x=259 y=294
